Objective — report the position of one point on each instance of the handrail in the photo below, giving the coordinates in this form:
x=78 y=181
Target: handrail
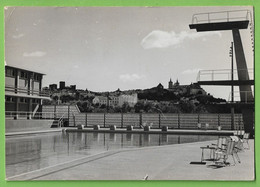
x=237 y=96
x=78 y=110
x=227 y=72
x=61 y=119
x=26 y=91
x=38 y=115
x=228 y=16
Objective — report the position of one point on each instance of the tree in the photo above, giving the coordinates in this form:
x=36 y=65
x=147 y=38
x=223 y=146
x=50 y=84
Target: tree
x=125 y=107
x=139 y=106
x=187 y=106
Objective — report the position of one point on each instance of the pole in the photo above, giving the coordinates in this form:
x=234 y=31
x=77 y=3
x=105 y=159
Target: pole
x=232 y=85
x=122 y=120
x=159 y=121
x=232 y=72
x=86 y=120
x=69 y=115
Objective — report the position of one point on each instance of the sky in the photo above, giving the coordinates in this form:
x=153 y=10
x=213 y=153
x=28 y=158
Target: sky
x=106 y=48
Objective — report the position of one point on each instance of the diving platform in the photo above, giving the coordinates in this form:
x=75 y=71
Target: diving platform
x=224 y=20
x=227 y=82
x=231 y=21
x=223 y=77
x=219 y=26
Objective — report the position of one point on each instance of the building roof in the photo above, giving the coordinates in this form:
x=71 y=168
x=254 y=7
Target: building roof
x=24 y=69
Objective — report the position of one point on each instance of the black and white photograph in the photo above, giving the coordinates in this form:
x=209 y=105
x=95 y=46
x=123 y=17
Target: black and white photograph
x=129 y=93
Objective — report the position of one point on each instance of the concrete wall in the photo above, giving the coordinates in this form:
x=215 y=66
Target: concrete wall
x=22 y=125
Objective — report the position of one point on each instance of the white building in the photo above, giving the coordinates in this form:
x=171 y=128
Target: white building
x=130 y=99
x=116 y=100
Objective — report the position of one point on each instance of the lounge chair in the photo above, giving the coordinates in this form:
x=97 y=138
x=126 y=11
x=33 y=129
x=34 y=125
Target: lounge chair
x=224 y=154
x=212 y=148
x=245 y=140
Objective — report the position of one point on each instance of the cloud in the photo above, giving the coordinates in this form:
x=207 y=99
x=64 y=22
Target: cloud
x=163 y=39
x=191 y=71
x=18 y=36
x=34 y=54
x=130 y=77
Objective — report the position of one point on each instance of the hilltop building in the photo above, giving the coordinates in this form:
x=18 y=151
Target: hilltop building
x=192 y=89
x=62 y=85
x=53 y=87
x=170 y=85
x=130 y=99
x=116 y=100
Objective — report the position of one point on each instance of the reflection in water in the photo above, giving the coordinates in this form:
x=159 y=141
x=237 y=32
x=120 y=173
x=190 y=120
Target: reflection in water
x=32 y=152
x=129 y=137
x=164 y=138
x=112 y=137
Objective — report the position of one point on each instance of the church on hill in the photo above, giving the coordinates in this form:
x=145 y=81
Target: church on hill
x=192 y=89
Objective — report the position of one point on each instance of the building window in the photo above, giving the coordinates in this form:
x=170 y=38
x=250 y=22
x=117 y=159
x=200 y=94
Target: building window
x=36 y=101
x=37 y=77
x=23 y=100
x=24 y=75
x=10 y=99
x=9 y=72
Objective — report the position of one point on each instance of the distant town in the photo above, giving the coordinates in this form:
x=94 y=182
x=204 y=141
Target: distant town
x=173 y=99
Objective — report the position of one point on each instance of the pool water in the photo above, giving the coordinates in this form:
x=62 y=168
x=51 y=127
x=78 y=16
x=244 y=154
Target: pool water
x=33 y=152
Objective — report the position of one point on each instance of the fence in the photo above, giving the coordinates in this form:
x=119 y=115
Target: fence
x=122 y=120
x=173 y=121
x=155 y=120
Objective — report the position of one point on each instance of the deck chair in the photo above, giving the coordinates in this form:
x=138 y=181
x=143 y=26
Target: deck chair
x=220 y=145
x=245 y=139
x=224 y=154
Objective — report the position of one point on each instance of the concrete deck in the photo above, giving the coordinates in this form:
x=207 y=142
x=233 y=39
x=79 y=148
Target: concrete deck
x=171 y=162
x=32 y=132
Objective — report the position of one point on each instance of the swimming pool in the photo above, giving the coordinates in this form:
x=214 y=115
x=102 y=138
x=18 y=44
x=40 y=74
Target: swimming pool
x=33 y=152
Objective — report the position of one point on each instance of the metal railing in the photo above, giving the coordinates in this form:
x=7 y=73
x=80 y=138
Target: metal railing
x=30 y=115
x=245 y=94
x=26 y=91
x=223 y=16
x=222 y=74
x=61 y=120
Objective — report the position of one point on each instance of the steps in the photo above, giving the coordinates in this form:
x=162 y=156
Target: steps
x=55 y=124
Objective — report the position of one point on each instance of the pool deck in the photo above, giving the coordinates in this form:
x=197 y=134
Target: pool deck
x=32 y=132
x=170 y=162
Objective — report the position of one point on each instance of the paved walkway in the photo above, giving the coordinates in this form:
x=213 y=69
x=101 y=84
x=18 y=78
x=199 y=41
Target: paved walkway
x=32 y=132
x=170 y=162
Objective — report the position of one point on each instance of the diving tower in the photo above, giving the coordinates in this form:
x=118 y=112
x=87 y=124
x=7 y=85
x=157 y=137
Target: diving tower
x=231 y=21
